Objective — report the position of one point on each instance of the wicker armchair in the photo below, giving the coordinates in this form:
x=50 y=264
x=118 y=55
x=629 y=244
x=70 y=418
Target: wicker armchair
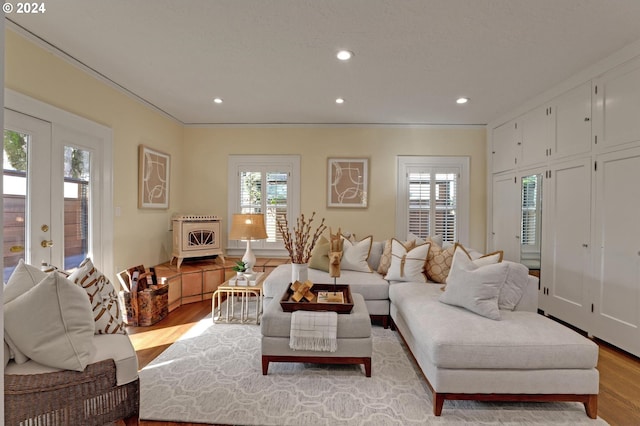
x=72 y=398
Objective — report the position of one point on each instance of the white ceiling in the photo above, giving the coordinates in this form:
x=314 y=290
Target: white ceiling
x=273 y=61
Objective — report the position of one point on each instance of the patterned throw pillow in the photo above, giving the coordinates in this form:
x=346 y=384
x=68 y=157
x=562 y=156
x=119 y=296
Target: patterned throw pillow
x=439 y=263
x=103 y=297
x=385 y=259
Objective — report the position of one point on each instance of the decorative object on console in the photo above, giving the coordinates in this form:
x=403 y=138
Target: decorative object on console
x=300 y=244
x=240 y=267
x=195 y=235
x=335 y=255
x=289 y=304
x=153 y=178
x=302 y=291
x=347 y=182
x=247 y=227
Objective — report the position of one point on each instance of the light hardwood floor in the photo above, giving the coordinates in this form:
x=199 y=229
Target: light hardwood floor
x=618 y=402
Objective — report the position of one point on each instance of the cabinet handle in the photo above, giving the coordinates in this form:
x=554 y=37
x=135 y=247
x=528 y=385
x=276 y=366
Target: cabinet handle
x=585 y=245
x=587 y=119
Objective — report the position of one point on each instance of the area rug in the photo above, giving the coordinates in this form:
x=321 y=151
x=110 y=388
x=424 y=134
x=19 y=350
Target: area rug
x=213 y=375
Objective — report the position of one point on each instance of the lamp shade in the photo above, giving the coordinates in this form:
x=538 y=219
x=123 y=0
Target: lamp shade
x=247 y=226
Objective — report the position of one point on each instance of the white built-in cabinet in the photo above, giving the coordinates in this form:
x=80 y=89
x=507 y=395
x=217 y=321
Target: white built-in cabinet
x=537 y=127
x=504 y=149
x=586 y=144
x=506 y=216
x=616 y=295
x=573 y=122
x=566 y=246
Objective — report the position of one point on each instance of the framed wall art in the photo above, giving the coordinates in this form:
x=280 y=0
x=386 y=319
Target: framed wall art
x=153 y=178
x=348 y=180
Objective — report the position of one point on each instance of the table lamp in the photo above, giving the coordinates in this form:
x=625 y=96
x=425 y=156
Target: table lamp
x=247 y=227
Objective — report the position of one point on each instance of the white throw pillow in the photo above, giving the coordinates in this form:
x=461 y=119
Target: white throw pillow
x=475 y=288
x=407 y=265
x=355 y=255
x=52 y=323
x=433 y=239
x=514 y=285
x=23 y=278
x=482 y=260
x=102 y=296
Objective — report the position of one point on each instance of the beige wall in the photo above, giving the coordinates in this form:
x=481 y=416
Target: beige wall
x=140 y=236
x=206 y=151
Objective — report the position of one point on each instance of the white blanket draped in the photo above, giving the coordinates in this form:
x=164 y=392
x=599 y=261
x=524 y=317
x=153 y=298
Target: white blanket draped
x=314 y=331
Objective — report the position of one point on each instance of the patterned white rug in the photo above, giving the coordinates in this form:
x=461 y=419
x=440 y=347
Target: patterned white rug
x=213 y=374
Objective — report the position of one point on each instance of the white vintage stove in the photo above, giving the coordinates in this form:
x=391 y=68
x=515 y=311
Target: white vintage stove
x=195 y=236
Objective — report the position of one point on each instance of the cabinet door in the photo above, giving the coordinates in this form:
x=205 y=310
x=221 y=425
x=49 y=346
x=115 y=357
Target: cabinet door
x=537 y=135
x=617 y=259
x=618 y=94
x=506 y=216
x=566 y=254
x=573 y=122
x=505 y=140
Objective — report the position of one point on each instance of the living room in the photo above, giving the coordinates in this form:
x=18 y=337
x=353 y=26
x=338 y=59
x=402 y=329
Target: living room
x=200 y=152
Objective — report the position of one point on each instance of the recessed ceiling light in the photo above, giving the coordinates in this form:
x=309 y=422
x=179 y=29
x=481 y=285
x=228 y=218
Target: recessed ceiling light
x=344 y=55
x=462 y=100
x=339 y=101
x=217 y=100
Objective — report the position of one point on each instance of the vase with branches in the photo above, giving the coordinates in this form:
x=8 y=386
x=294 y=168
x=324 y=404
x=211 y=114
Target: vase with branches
x=300 y=242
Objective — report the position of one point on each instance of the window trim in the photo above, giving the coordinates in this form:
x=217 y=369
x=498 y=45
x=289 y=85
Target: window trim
x=238 y=162
x=408 y=162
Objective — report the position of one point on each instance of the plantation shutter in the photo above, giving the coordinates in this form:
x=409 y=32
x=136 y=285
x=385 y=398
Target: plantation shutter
x=419 y=204
x=265 y=191
x=433 y=202
x=276 y=203
x=446 y=205
x=530 y=200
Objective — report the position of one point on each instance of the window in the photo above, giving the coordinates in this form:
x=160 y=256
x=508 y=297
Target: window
x=433 y=197
x=264 y=184
x=531 y=211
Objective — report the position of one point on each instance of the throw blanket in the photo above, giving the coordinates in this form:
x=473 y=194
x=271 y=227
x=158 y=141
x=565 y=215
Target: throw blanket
x=314 y=331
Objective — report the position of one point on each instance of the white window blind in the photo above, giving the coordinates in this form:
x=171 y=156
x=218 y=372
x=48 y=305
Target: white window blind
x=433 y=203
x=265 y=192
x=433 y=197
x=530 y=210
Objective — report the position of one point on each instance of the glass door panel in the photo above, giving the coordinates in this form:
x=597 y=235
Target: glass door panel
x=26 y=191
x=77 y=184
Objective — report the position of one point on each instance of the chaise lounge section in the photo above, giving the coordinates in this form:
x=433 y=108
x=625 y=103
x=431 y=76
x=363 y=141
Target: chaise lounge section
x=523 y=357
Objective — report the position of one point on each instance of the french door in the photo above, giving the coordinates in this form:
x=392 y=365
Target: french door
x=47 y=193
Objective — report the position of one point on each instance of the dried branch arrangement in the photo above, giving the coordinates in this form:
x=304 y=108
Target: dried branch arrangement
x=302 y=241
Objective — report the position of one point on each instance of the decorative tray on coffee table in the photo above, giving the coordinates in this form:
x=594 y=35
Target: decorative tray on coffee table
x=290 y=305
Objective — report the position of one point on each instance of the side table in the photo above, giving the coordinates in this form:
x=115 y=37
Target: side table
x=231 y=291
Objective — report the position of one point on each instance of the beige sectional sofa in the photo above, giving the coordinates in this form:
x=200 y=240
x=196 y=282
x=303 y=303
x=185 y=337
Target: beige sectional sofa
x=463 y=355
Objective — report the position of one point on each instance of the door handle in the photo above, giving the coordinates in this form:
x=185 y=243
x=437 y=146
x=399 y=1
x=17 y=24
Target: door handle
x=16 y=249
x=46 y=243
